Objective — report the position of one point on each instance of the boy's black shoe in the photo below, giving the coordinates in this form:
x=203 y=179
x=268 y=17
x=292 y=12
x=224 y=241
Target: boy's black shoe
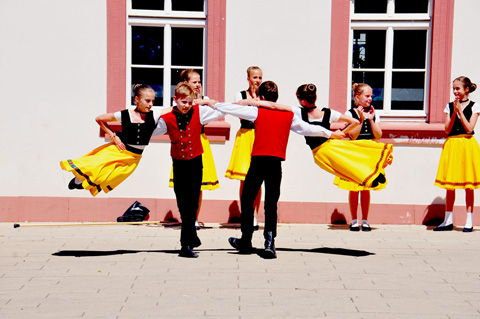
x=270 y=251
x=240 y=246
x=187 y=252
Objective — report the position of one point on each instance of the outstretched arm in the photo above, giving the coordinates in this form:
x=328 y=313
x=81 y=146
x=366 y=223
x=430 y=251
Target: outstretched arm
x=266 y=104
x=102 y=121
x=351 y=123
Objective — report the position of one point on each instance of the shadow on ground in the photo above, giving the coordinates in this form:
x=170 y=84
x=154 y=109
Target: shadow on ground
x=259 y=252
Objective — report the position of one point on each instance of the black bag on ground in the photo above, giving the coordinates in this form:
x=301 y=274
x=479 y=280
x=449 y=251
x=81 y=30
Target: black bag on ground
x=135 y=213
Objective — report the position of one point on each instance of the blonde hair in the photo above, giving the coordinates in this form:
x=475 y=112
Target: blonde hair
x=138 y=89
x=186 y=74
x=358 y=88
x=252 y=68
x=183 y=90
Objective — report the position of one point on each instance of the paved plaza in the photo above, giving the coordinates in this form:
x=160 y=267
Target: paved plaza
x=131 y=271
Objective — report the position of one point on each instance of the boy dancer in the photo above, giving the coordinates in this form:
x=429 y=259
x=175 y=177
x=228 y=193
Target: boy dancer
x=272 y=129
x=184 y=127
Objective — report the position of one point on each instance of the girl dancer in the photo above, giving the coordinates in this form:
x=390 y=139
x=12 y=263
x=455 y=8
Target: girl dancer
x=368 y=130
x=362 y=162
x=242 y=149
x=107 y=166
x=457 y=168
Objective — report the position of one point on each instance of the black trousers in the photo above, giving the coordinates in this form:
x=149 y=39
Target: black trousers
x=187 y=182
x=262 y=169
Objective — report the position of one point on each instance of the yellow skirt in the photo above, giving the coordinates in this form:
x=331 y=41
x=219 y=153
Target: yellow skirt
x=342 y=183
x=459 y=163
x=241 y=154
x=209 y=177
x=360 y=161
x=104 y=168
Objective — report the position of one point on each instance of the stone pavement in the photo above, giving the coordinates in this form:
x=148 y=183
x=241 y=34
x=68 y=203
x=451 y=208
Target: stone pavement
x=321 y=272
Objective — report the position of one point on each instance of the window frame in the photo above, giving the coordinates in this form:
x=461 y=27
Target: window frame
x=214 y=69
x=432 y=130
x=391 y=22
x=167 y=25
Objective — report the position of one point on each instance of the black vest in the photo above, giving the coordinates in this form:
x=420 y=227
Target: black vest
x=366 y=132
x=245 y=123
x=315 y=141
x=458 y=128
x=137 y=133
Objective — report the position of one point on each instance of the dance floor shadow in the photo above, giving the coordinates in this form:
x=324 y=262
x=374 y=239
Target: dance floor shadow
x=100 y=253
x=331 y=251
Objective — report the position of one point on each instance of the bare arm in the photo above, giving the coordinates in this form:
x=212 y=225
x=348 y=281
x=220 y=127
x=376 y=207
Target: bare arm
x=468 y=125
x=102 y=121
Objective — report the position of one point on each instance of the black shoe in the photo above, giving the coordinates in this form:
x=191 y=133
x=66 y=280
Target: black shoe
x=467 y=230
x=240 y=246
x=379 y=180
x=444 y=228
x=354 y=228
x=73 y=185
x=256 y=227
x=270 y=251
x=366 y=227
x=187 y=252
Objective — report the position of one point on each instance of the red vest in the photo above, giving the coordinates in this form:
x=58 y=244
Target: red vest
x=272 y=129
x=184 y=131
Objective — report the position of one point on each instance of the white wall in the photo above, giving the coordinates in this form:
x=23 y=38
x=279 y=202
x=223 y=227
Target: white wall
x=53 y=84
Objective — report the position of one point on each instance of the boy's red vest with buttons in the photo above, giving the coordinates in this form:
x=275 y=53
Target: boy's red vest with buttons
x=184 y=132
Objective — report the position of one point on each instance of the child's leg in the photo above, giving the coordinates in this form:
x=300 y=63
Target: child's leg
x=256 y=205
x=469 y=199
x=365 y=203
x=353 y=204
x=448 y=221
x=200 y=199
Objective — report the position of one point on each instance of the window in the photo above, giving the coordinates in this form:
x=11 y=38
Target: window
x=163 y=38
x=390 y=45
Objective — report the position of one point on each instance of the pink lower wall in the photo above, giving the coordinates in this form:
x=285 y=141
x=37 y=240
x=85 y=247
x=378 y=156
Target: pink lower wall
x=74 y=209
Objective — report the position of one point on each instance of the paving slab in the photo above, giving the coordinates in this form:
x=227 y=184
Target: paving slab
x=322 y=271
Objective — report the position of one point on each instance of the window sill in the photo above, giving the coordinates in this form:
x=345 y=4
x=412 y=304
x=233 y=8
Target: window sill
x=410 y=133
x=217 y=132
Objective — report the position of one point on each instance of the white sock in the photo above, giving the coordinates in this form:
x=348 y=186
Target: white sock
x=197 y=224
x=448 y=219
x=469 y=222
x=255 y=222
x=364 y=222
x=355 y=223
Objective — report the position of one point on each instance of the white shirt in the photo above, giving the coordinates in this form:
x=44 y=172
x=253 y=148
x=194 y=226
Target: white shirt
x=156 y=115
x=206 y=114
x=251 y=113
x=334 y=116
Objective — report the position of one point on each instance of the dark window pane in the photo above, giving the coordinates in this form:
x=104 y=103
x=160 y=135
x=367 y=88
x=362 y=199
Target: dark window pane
x=187 y=46
x=370 y=6
x=147 y=45
x=148 y=4
x=376 y=82
x=368 y=49
x=187 y=5
x=409 y=49
x=408 y=90
x=152 y=77
x=411 y=6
